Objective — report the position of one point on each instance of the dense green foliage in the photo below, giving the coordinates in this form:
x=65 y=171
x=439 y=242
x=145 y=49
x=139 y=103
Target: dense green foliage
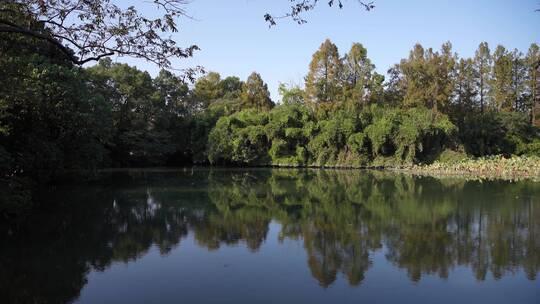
x=58 y=119
x=293 y=135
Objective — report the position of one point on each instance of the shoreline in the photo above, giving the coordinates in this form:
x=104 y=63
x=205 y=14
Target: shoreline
x=495 y=167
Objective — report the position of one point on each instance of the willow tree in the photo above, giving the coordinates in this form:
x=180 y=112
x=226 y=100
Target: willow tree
x=323 y=82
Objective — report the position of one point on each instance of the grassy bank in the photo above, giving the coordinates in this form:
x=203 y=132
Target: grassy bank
x=515 y=167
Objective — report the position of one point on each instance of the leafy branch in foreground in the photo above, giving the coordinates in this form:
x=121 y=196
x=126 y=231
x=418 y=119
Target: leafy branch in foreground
x=298 y=7
x=90 y=30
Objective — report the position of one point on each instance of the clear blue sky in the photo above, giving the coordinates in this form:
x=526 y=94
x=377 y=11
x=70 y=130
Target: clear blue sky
x=235 y=40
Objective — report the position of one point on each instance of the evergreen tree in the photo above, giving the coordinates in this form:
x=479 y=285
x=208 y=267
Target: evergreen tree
x=482 y=66
x=357 y=73
x=231 y=87
x=415 y=79
x=324 y=77
x=442 y=73
x=255 y=93
x=426 y=77
x=208 y=89
x=532 y=60
x=465 y=86
x=517 y=89
x=501 y=83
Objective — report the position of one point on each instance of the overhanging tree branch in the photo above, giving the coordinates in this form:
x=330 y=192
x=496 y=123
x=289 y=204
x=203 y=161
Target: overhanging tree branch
x=50 y=39
x=298 y=7
x=89 y=30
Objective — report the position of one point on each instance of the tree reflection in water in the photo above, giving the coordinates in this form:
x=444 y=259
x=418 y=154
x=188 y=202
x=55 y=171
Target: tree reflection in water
x=423 y=225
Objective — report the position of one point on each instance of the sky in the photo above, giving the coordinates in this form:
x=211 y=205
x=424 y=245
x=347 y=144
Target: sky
x=235 y=40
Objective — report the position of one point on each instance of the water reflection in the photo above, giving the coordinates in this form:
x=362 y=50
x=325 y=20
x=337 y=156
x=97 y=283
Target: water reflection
x=422 y=225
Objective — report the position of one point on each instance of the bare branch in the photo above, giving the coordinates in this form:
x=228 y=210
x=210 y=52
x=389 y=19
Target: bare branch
x=298 y=7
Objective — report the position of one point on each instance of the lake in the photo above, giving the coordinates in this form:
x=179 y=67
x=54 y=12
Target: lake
x=275 y=236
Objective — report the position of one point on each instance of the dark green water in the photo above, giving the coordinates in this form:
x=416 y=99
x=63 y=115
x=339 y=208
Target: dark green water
x=276 y=236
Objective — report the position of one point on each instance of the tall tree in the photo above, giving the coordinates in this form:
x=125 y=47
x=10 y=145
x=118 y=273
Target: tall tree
x=426 y=77
x=517 y=88
x=442 y=72
x=255 y=93
x=357 y=72
x=172 y=94
x=465 y=86
x=532 y=60
x=324 y=77
x=139 y=120
x=208 y=89
x=483 y=66
x=232 y=87
x=501 y=82
x=414 y=79
x=50 y=119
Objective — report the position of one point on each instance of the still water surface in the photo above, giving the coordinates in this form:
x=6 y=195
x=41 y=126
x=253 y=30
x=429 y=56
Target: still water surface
x=276 y=236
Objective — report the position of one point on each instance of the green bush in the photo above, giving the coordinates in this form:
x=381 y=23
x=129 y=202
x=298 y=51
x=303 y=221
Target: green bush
x=239 y=139
x=408 y=135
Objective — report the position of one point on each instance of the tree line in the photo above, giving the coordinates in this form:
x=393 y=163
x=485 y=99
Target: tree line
x=57 y=118
x=434 y=105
